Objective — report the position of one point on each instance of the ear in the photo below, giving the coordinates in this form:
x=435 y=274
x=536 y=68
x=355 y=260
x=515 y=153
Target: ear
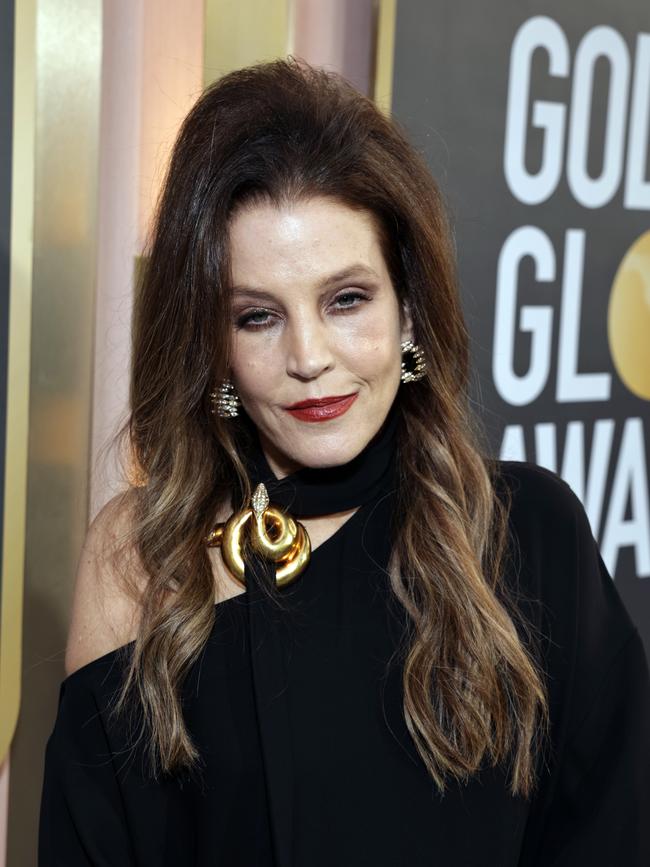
x=407 y=322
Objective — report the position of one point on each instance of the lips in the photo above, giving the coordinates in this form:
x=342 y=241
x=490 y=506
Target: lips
x=322 y=408
x=319 y=401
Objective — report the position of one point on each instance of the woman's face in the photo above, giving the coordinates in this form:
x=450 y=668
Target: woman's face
x=315 y=316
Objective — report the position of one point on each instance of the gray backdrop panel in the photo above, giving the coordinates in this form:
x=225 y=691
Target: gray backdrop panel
x=452 y=76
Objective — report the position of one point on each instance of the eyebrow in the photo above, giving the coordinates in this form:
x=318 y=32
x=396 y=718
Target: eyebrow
x=351 y=272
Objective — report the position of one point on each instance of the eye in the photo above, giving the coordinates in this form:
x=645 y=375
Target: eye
x=349 y=299
x=257 y=319
x=253 y=320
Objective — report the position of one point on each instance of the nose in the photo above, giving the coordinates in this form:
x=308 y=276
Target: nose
x=309 y=353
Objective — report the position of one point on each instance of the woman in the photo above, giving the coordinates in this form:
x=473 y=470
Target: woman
x=337 y=633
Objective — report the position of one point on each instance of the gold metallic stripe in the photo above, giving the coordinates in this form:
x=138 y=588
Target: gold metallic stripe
x=385 y=47
x=241 y=32
x=20 y=295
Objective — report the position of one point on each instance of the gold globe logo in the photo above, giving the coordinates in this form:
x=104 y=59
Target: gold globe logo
x=628 y=318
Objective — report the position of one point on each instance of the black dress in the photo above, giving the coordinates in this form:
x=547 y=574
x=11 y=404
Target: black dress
x=297 y=713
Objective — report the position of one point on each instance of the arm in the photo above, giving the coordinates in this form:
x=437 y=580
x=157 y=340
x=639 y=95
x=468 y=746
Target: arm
x=82 y=819
x=593 y=804
x=600 y=811
x=82 y=822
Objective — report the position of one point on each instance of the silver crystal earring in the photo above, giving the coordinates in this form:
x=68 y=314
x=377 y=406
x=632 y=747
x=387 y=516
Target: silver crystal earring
x=418 y=364
x=225 y=400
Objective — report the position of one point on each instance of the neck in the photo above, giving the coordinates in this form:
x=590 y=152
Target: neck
x=280 y=465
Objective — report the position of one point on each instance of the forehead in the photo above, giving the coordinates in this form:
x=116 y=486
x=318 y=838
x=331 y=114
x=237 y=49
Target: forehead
x=304 y=240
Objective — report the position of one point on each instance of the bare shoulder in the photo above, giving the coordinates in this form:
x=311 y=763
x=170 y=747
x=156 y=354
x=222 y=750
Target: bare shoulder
x=105 y=609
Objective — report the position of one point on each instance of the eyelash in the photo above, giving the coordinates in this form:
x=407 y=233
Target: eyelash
x=245 y=321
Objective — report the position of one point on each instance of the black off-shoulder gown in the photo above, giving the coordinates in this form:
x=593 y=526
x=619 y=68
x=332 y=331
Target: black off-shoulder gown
x=297 y=713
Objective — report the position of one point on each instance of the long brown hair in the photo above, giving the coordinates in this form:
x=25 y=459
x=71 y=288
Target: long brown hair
x=283 y=130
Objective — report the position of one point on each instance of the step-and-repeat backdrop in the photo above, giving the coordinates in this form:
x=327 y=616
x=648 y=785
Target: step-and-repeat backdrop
x=535 y=118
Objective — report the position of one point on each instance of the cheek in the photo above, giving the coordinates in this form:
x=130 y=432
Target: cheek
x=372 y=348
x=254 y=364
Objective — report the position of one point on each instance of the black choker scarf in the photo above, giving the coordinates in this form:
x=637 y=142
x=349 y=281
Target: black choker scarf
x=308 y=492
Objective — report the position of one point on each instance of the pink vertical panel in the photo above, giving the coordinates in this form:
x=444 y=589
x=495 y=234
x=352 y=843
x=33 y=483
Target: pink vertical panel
x=338 y=35
x=118 y=229
x=152 y=73
x=172 y=80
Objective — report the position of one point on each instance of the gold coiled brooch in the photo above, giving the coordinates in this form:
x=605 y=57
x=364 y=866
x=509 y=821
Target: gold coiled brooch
x=274 y=535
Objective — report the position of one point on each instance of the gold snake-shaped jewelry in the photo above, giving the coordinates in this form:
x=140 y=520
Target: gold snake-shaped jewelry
x=288 y=546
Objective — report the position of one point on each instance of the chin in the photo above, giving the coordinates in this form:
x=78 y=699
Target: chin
x=319 y=445
x=332 y=451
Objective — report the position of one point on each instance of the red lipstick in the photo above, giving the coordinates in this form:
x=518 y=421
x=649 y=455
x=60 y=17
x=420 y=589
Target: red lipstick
x=322 y=408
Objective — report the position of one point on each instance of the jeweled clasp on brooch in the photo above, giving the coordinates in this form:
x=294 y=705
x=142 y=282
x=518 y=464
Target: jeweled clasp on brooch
x=276 y=536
